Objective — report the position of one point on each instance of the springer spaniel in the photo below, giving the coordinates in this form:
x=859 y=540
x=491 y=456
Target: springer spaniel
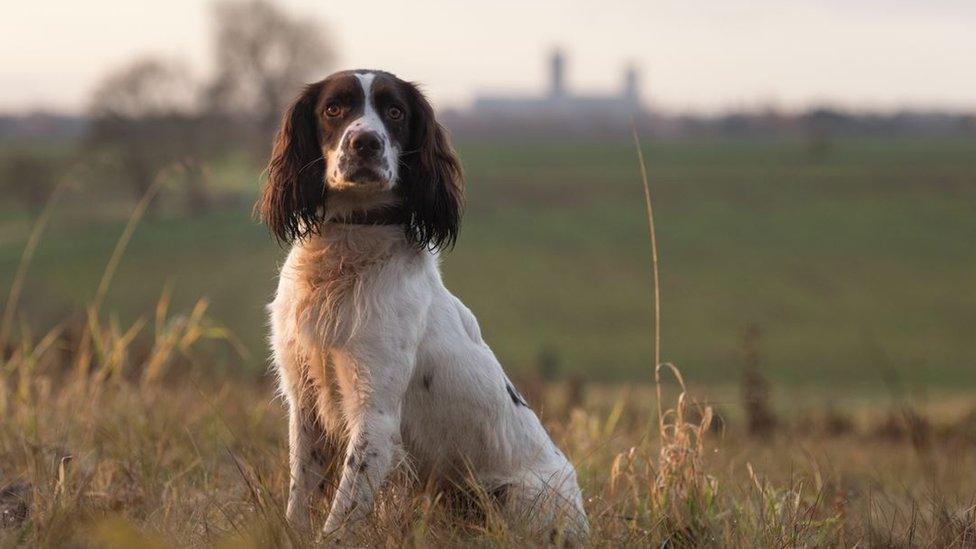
x=379 y=363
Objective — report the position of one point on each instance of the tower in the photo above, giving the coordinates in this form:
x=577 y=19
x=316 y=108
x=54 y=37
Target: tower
x=630 y=83
x=556 y=81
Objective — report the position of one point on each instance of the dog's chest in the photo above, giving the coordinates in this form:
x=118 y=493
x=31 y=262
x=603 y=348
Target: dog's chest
x=319 y=306
x=324 y=282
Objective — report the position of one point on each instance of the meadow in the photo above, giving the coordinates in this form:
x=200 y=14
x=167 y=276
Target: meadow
x=854 y=264
x=108 y=446
x=818 y=303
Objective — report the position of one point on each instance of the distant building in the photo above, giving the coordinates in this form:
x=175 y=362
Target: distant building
x=559 y=112
x=561 y=103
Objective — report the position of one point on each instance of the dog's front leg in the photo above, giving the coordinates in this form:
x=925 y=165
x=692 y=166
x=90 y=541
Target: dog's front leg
x=308 y=460
x=374 y=441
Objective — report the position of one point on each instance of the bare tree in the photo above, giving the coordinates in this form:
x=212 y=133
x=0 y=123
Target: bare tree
x=151 y=112
x=145 y=88
x=263 y=57
x=145 y=113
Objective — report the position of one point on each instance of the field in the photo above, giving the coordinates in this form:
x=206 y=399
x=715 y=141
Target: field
x=827 y=293
x=855 y=265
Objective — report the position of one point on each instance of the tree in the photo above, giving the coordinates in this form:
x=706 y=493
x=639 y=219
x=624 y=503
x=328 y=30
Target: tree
x=145 y=112
x=263 y=58
x=146 y=88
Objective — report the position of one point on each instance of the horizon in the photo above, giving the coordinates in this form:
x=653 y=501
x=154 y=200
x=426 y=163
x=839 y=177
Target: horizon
x=742 y=56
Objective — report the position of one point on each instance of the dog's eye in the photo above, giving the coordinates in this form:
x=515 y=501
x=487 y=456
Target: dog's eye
x=333 y=109
x=395 y=113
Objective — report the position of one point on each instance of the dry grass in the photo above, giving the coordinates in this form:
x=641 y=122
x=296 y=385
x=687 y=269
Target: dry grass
x=124 y=436
x=193 y=459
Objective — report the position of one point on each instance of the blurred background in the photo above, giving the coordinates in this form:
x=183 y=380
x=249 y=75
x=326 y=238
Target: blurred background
x=812 y=163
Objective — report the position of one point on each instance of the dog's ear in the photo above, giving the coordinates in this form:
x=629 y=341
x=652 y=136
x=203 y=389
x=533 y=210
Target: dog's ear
x=432 y=181
x=293 y=200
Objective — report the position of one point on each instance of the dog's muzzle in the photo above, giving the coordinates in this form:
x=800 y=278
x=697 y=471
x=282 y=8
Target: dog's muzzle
x=362 y=159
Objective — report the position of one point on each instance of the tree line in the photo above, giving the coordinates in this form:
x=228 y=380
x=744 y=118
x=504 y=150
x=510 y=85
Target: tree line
x=153 y=112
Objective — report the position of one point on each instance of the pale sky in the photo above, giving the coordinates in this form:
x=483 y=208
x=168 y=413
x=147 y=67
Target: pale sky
x=707 y=55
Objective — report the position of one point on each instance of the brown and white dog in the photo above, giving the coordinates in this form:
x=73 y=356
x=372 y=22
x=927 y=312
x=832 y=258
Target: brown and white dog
x=379 y=363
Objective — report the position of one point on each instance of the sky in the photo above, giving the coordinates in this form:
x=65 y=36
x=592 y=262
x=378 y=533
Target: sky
x=694 y=56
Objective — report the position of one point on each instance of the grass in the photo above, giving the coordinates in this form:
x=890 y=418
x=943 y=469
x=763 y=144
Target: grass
x=150 y=445
x=191 y=458
x=854 y=266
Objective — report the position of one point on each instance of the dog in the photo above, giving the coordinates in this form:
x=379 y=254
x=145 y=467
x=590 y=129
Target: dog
x=379 y=364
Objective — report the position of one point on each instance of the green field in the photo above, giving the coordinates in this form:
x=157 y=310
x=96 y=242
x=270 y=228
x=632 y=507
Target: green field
x=858 y=266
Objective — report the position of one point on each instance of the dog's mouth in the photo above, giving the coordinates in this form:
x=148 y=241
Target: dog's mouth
x=364 y=175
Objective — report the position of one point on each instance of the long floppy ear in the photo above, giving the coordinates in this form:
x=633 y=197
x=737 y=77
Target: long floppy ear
x=293 y=199
x=432 y=183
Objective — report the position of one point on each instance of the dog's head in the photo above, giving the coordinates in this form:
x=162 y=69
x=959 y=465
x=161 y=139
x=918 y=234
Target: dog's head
x=364 y=139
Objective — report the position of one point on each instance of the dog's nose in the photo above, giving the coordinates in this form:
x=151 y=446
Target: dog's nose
x=365 y=145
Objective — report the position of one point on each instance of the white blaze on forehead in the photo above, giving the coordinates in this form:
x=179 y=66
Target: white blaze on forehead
x=369 y=120
x=366 y=81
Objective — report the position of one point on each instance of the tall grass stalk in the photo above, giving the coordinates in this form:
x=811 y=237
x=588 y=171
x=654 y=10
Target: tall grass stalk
x=83 y=363
x=120 y=246
x=656 y=276
x=16 y=287
x=682 y=493
x=654 y=264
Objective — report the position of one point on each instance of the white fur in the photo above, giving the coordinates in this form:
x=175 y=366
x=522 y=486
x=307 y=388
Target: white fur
x=381 y=365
